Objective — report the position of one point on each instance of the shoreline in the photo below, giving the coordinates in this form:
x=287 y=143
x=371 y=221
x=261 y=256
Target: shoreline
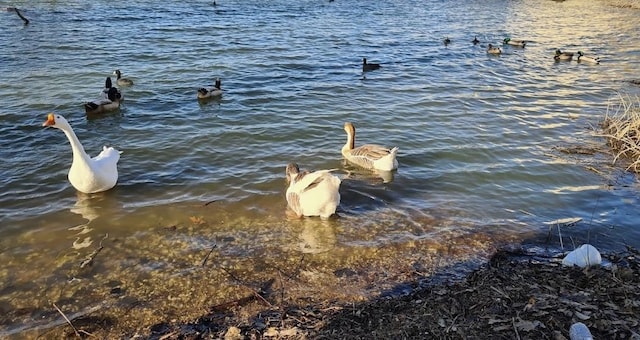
x=514 y=295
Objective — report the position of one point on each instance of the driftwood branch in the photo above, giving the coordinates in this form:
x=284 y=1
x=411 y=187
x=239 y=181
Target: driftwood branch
x=208 y=254
x=89 y=260
x=68 y=321
x=26 y=21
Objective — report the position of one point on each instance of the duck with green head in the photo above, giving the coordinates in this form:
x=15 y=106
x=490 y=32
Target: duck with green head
x=586 y=59
x=517 y=43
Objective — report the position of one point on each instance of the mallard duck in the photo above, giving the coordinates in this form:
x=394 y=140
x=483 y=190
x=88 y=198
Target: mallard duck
x=583 y=58
x=122 y=81
x=370 y=156
x=475 y=40
x=109 y=100
x=87 y=175
x=563 y=55
x=493 y=50
x=518 y=43
x=446 y=41
x=216 y=90
x=312 y=193
x=369 y=67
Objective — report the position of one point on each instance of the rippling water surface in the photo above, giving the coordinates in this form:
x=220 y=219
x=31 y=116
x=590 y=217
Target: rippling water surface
x=480 y=137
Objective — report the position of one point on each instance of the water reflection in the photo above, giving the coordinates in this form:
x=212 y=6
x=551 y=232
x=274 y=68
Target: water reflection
x=91 y=207
x=372 y=176
x=317 y=236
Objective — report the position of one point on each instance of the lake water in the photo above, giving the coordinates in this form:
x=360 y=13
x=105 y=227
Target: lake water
x=483 y=145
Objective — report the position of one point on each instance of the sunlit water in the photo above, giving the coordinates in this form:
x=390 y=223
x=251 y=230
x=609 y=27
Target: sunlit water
x=480 y=140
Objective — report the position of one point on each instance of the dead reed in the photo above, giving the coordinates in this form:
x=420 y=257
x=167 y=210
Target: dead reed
x=621 y=128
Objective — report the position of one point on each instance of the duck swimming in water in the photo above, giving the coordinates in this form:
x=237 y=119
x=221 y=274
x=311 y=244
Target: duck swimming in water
x=369 y=67
x=215 y=91
x=493 y=50
x=559 y=55
x=517 y=43
x=109 y=100
x=122 y=81
x=586 y=59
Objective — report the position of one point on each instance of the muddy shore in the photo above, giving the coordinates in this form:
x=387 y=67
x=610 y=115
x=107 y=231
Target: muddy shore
x=515 y=295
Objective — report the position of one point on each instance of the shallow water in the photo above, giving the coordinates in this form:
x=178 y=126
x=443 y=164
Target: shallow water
x=480 y=139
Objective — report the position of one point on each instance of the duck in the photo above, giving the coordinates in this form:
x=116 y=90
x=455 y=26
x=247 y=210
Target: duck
x=369 y=156
x=493 y=50
x=517 y=43
x=475 y=40
x=312 y=193
x=109 y=100
x=122 y=81
x=87 y=175
x=369 y=67
x=583 y=58
x=216 y=90
x=446 y=41
x=563 y=55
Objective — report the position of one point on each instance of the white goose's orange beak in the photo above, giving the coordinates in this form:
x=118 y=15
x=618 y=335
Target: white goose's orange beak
x=50 y=120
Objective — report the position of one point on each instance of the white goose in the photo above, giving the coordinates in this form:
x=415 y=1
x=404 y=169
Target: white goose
x=370 y=156
x=87 y=175
x=215 y=91
x=312 y=193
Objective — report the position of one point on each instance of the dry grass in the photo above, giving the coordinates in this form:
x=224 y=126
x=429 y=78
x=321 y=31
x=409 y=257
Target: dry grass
x=621 y=128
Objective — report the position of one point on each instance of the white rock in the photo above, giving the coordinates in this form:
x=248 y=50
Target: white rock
x=584 y=256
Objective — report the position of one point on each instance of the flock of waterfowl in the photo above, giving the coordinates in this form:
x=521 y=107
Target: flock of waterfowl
x=558 y=56
x=308 y=194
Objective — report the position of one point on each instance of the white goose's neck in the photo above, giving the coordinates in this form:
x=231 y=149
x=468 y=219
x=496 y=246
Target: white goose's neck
x=76 y=147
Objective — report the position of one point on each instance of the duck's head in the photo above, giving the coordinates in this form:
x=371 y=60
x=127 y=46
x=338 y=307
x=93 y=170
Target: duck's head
x=117 y=73
x=558 y=52
x=580 y=53
x=107 y=83
x=506 y=40
x=55 y=120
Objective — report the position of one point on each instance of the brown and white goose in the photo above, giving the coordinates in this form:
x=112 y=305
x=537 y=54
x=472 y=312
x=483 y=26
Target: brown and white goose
x=312 y=193
x=369 y=156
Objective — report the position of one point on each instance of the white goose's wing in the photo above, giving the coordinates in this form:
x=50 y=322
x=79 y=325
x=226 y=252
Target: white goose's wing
x=105 y=165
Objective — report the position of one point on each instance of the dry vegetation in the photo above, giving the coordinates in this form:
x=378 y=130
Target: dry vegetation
x=621 y=128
